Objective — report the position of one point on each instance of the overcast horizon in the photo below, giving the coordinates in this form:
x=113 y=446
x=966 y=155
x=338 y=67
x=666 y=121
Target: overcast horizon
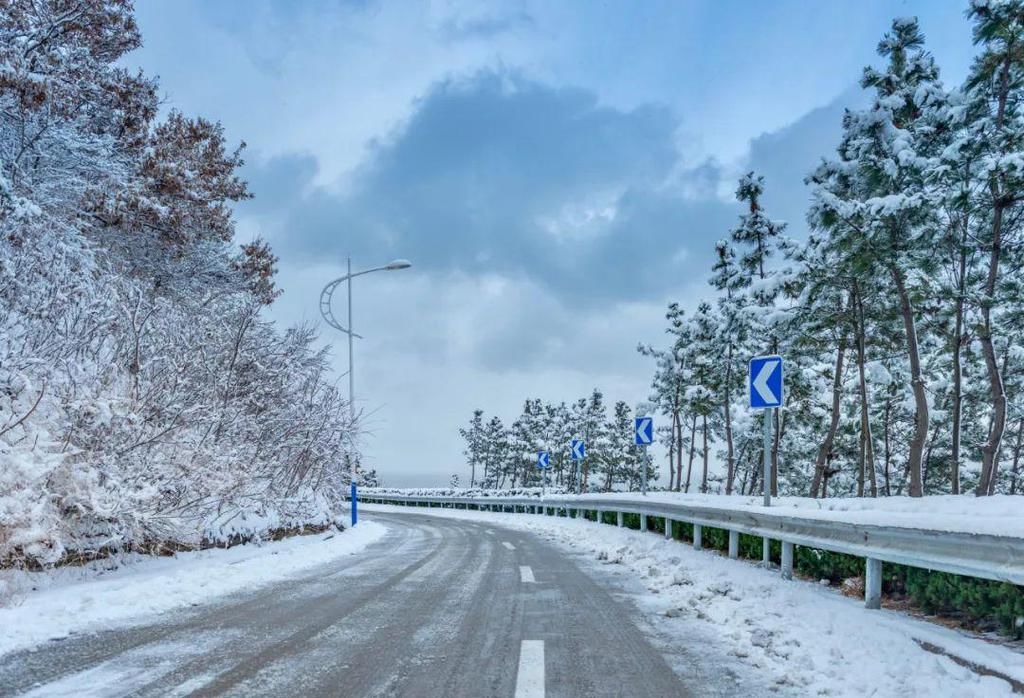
x=556 y=173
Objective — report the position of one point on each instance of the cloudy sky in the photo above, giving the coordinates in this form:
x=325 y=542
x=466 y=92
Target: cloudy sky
x=557 y=172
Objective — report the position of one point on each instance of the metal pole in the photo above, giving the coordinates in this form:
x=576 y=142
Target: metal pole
x=351 y=394
x=768 y=457
x=643 y=464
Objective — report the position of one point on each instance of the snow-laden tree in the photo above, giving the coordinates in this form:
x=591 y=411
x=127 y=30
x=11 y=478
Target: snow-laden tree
x=475 y=444
x=509 y=456
x=873 y=198
x=144 y=397
x=734 y=336
x=758 y=239
x=993 y=138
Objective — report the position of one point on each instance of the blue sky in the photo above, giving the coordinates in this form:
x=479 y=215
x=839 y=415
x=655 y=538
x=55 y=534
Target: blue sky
x=556 y=172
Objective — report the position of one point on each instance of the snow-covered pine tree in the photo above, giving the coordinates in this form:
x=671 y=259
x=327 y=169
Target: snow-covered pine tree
x=666 y=399
x=758 y=238
x=874 y=202
x=733 y=337
x=995 y=131
x=499 y=460
x=475 y=444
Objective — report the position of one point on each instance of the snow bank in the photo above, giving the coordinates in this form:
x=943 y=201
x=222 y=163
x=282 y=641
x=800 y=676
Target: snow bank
x=998 y=515
x=69 y=601
x=808 y=639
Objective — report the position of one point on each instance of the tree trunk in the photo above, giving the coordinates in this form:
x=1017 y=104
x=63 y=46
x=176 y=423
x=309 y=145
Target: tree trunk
x=689 y=465
x=776 y=435
x=739 y=468
x=928 y=456
x=704 y=475
x=986 y=484
x=679 y=453
x=888 y=451
x=754 y=472
x=958 y=341
x=730 y=460
x=867 y=452
x=1016 y=457
x=916 y=383
x=672 y=450
x=826 y=445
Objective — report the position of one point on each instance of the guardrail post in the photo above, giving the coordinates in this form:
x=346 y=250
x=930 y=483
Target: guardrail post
x=698 y=536
x=597 y=516
x=643 y=522
x=668 y=528
x=766 y=552
x=873 y=583
x=787 y=560
x=618 y=519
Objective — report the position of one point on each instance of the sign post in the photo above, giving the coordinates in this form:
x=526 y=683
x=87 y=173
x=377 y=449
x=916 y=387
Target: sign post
x=543 y=462
x=766 y=395
x=578 y=451
x=643 y=435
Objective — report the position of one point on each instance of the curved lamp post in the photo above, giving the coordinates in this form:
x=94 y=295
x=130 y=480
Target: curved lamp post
x=326 y=297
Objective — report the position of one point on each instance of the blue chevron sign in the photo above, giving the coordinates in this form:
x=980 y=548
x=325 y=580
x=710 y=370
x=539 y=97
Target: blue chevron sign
x=765 y=382
x=643 y=431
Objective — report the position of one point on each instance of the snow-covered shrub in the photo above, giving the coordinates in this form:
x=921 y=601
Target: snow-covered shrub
x=144 y=399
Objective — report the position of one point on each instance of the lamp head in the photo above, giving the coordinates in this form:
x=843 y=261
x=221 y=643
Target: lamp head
x=398 y=264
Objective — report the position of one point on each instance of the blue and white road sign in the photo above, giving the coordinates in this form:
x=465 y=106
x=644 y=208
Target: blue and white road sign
x=577 y=449
x=765 y=382
x=543 y=460
x=643 y=431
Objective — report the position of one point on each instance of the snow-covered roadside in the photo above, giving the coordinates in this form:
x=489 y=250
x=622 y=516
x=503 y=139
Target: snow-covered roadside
x=73 y=600
x=1001 y=515
x=807 y=638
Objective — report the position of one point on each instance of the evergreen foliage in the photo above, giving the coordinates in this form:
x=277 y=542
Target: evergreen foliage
x=899 y=317
x=508 y=455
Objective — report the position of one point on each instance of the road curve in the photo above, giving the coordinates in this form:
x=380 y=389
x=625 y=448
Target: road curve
x=438 y=607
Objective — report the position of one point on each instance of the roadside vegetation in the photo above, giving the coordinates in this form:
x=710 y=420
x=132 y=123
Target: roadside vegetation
x=145 y=401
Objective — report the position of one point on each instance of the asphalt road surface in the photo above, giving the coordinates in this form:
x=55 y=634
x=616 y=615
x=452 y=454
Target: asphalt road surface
x=437 y=608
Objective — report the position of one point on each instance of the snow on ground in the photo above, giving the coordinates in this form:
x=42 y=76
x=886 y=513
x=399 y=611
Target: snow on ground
x=72 y=600
x=808 y=638
x=997 y=515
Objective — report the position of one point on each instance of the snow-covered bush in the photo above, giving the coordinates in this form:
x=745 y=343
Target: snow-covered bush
x=144 y=399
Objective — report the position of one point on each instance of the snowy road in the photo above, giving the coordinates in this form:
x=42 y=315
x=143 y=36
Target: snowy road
x=436 y=608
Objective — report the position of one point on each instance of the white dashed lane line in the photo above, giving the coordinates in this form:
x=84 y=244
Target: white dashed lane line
x=530 y=677
x=526 y=574
x=508 y=545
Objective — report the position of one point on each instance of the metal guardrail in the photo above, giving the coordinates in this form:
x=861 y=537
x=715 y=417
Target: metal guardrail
x=994 y=557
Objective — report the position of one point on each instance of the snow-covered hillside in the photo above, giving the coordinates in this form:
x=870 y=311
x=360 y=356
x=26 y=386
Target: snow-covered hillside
x=144 y=398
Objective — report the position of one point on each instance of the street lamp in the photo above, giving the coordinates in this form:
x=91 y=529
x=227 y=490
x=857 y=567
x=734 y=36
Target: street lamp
x=326 y=296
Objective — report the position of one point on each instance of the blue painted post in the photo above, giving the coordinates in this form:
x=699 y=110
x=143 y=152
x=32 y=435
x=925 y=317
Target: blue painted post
x=354 y=516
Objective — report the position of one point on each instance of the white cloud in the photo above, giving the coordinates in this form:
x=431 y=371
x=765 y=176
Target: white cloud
x=338 y=83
